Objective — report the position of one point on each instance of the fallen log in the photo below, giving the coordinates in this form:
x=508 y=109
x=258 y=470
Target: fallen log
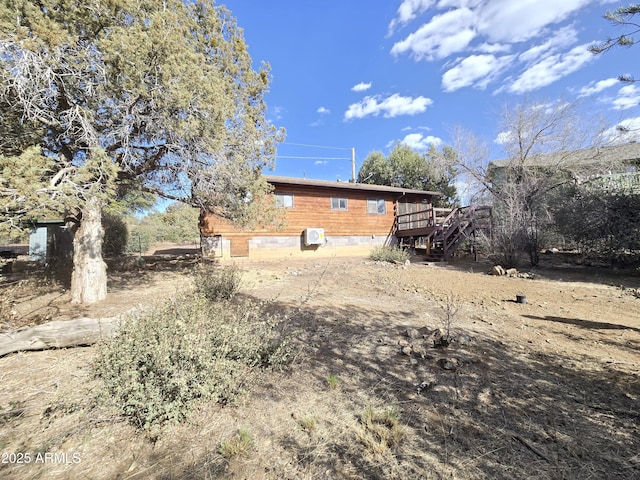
x=58 y=334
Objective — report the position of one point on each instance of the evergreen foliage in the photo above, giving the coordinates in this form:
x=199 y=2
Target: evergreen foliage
x=404 y=167
x=107 y=100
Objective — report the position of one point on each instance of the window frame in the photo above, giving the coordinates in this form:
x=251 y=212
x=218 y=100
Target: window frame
x=339 y=208
x=377 y=206
x=283 y=204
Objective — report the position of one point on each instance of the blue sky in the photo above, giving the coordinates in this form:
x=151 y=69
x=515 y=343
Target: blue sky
x=366 y=74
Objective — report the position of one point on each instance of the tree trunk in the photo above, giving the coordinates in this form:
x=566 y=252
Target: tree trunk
x=89 y=277
x=59 y=334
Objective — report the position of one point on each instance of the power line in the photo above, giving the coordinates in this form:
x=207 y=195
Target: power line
x=312 y=158
x=314 y=146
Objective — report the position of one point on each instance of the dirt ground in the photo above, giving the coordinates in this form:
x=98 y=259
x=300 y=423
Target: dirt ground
x=544 y=390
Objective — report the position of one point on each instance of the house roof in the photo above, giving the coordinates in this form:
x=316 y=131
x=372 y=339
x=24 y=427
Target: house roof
x=346 y=185
x=627 y=152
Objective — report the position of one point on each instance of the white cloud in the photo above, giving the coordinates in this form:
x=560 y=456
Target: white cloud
x=323 y=110
x=408 y=10
x=493 y=48
x=628 y=97
x=597 y=87
x=361 y=87
x=475 y=70
x=419 y=142
x=390 y=107
x=320 y=162
x=278 y=112
x=561 y=38
x=550 y=69
x=521 y=20
x=532 y=29
x=504 y=138
x=444 y=35
x=626 y=131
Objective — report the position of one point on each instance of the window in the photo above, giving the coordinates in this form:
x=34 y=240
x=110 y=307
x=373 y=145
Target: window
x=284 y=200
x=376 y=206
x=338 y=203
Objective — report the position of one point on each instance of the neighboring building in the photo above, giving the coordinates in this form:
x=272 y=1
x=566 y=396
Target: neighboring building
x=49 y=239
x=616 y=165
x=322 y=218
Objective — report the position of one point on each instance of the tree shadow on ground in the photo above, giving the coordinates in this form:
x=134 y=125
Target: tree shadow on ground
x=500 y=411
x=497 y=412
x=130 y=272
x=553 y=269
x=590 y=324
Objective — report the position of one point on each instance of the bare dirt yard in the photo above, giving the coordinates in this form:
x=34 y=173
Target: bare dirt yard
x=549 y=389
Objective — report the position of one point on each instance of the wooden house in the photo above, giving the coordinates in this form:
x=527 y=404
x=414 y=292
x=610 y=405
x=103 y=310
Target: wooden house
x=321 y=218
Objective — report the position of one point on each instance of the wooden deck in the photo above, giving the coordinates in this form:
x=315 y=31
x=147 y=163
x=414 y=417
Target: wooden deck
x=440 y=231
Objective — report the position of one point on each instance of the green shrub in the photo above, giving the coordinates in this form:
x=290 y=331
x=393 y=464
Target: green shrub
x=116 y=235
x=139 y=240
x=389 y=254
x=188 y=349
x=216 y=284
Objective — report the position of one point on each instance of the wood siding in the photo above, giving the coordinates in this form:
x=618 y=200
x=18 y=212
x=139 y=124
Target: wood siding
x=312 y=209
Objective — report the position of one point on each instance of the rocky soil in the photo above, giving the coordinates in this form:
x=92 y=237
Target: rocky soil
x=481 y=386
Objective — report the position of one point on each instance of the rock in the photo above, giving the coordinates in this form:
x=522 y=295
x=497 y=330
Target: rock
x=403 y=343
x=512 y=272
x=426 y=385
x=407 y=262
x=463 y=339
x=413 y=333
x=448 y=363
x=497 y=270
x=438 y=339
x=413 y=361
x=406 y=350
x=418 y=350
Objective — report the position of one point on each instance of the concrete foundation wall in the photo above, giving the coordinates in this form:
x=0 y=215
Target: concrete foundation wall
x=288 y=246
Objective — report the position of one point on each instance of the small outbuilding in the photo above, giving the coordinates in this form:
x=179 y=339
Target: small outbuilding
x=49 y=239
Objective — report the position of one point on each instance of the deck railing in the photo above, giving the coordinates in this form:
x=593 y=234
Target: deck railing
x=420 y=219
x=447 y=226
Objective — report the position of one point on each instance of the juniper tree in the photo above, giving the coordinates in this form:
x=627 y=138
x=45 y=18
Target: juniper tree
x=103 y=98
x=405 y=167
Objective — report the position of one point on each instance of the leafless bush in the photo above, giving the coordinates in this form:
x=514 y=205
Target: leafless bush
x=450 y=308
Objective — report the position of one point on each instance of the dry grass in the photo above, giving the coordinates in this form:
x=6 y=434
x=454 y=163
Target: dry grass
x=238 y=445
x=380 y=431
x=543 y=391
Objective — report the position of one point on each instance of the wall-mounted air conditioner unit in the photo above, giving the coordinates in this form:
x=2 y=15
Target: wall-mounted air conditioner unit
x=314 y=236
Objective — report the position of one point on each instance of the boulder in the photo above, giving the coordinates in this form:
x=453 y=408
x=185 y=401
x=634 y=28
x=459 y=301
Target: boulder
x=497 y=270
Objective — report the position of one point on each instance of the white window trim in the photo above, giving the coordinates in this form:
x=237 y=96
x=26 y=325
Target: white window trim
x=346 y=203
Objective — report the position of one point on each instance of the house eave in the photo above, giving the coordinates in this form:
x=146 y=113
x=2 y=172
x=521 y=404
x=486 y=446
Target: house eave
x=275 y=180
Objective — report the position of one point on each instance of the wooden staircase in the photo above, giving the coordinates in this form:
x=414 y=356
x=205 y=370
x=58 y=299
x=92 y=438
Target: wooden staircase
x=441 y=235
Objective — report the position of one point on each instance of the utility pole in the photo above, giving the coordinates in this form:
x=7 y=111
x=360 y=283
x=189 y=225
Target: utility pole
x=353 y=165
